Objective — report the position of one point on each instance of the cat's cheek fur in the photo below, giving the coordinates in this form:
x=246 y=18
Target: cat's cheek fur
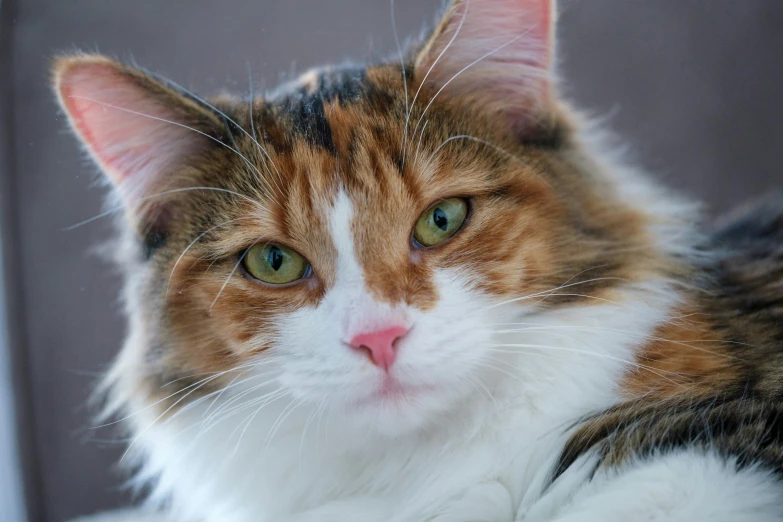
x=292 y=456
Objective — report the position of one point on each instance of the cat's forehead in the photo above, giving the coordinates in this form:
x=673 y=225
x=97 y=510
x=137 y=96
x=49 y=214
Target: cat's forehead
x=356 y=132
x=326 y=107
x=359 y=130
x=331 y=130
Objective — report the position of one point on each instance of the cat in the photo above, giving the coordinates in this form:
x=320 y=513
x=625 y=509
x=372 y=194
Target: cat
x=426 y=290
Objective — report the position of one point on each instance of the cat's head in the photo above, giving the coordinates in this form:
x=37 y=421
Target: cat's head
x=356 y=239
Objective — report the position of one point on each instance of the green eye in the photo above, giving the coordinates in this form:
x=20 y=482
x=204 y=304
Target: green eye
x=274 y=264
x=441 y=221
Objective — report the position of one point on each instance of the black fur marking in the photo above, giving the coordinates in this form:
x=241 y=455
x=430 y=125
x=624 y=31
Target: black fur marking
x=153 y=240
x=309 y=121
x=344 y=85
x=549 y=137
x=399 y=161
x=305 y=105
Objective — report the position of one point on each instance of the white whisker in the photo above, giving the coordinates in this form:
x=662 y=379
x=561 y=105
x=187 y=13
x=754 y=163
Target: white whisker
x=477 y=140
x=548 y=328
x=230 y=275
x=404 y=76
x=137 y=113
x=198 y=238
x=471 y=64
x=223 y=114
x=418 y=146
x=426 y=75
x=547 y=293
x=584 y=352
x=212 y=375
x=164 y=193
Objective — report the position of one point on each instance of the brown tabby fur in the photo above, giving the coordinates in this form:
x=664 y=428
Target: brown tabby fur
x=711 y=377
x=533 y=206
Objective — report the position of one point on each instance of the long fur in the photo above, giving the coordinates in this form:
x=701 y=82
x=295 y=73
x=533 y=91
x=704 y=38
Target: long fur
x=577 y=350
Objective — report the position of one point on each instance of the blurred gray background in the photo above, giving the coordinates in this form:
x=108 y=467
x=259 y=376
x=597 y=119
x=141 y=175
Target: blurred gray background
x=695 y=87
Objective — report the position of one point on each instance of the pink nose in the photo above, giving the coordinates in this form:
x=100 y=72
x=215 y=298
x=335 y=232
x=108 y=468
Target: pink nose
x=380 y=345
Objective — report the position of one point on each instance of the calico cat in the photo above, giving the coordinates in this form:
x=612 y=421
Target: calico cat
x=423 y=290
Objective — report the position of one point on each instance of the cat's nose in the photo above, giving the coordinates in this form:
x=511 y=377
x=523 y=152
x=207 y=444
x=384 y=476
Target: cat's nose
x=380 y=345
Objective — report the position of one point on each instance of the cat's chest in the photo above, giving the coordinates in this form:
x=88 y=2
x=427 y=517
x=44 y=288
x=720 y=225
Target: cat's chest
x=241 y=472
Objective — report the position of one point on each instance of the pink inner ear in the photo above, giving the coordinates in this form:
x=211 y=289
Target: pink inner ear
x=496 y=48
x=123 y=125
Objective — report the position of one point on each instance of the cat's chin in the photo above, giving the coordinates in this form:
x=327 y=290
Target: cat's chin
x=395 y=409
x=392 y=393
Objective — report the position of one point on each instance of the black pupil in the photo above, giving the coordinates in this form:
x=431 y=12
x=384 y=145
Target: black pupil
x=275 y=258
x=440 y=219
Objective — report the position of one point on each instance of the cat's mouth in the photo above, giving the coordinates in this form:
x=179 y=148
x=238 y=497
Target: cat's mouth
x=392 y=391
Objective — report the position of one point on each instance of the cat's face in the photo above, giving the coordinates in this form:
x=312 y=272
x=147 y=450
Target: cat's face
x=358 y=238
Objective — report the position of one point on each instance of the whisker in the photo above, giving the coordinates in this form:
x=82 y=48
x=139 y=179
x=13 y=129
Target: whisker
x=198 y=238
x=212 y=377
x=309 y=421
x=282 y=416
x=251 y=166
x=318 y=426
x=545 y=328
x=418 y=146
x=551 y=292
x=289 y=409
x=218 y=393
x=231 y=274
x=223 y=114
x=230 y=385
x=426 y=75
x=252 y=100
x=471 y=64
x=226 y=407
x=477 y=140
x=585 y=352
x=478 y=382
x=265 y=399
x=404 y=76
x=137 y=113
x=487 y=365
x=140 y=434
x=159 y=194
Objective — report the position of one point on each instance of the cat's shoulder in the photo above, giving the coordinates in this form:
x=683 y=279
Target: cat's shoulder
x=739 y=416
x=748 y=243
x=747 y=271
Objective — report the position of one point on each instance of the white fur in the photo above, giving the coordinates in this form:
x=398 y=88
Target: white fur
x=473 y=441
x=490 y=389
x=684 y=486
x=304 y=435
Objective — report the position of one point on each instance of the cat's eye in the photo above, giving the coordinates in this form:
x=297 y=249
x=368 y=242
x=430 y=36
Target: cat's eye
x=441 y=221
x=275 y=264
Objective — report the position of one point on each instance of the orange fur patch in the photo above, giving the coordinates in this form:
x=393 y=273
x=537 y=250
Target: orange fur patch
x=687 y=355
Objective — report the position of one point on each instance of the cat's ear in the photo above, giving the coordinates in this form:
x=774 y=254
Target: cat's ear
x=143 y=134
x=496 y=53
